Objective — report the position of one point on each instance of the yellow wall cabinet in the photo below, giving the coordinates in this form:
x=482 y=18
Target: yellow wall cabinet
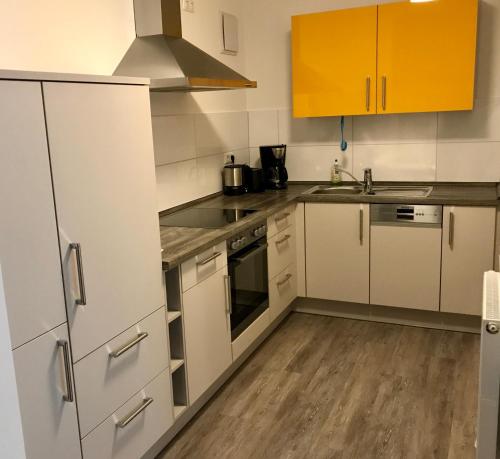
x=392 y=58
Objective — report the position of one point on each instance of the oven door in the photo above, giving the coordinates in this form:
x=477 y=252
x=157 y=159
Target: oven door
x=249 y=286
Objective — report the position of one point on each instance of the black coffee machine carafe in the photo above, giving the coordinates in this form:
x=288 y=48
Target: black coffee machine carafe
x=273 y=159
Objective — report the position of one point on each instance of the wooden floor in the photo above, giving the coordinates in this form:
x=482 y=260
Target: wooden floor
x=323 y=387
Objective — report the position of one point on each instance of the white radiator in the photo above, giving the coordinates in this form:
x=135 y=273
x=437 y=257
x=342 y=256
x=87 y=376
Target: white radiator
x=489 y=370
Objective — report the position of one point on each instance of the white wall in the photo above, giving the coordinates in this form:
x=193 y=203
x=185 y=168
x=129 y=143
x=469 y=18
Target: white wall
x=463 y=146
x=11 y=433
x=84 y=36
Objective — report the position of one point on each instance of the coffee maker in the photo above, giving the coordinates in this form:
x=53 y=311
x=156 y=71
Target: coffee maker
x=273 y=159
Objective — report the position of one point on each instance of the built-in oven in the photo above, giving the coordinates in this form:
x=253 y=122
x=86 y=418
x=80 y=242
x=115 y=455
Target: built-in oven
x=248 y=278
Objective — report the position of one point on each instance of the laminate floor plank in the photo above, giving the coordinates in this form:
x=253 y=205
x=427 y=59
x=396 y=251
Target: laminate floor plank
x=324 y=387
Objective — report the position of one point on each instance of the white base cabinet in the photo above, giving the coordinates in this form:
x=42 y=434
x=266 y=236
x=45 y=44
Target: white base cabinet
x=337 y=251
x=147 y=418
x=282 y=291
x=468 y=249
x=50 y=425
x=207 y=333
x=104 y=380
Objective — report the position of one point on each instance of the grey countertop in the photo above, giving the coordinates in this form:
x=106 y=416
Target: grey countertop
x=180 y=244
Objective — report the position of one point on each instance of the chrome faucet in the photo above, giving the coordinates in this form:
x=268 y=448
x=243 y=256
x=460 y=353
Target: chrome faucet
x=368 y=181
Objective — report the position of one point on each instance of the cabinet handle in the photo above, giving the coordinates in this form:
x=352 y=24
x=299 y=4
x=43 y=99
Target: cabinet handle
x=229 y=299
x=284 y=239
x=129 y=345
x=68 y=396
x=281 y=217
x=451 y=230
x=284 y=281
x=368 y=85
x=384 y=92
x=82 y=301
x=209 y=259
x=361 y=226
x=126 y=420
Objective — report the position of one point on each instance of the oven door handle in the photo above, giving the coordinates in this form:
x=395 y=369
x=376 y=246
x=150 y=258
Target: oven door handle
x=251 y=254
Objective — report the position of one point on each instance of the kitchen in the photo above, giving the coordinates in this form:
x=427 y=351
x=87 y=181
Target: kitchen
x=159 y=317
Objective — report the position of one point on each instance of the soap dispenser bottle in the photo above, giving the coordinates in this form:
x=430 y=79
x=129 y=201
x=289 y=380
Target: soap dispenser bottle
x=336 y=174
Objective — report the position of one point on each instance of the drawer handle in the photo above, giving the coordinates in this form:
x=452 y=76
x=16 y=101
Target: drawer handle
x=209 y=259
x=134 y=342
x=284 y=239
x=451 y=230
x=284 y=281
x=68 y=396
x=282 y=217
x=82 y=301
x=126 y=420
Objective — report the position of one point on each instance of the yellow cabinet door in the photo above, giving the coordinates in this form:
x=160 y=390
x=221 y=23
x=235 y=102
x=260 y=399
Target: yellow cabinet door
x=334 y=63
x=426 y=56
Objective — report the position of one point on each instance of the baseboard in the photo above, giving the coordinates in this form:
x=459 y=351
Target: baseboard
x=183 y=420
x=401 y=316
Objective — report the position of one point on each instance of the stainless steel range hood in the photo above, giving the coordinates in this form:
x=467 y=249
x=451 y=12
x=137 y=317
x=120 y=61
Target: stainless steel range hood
x=161 y=53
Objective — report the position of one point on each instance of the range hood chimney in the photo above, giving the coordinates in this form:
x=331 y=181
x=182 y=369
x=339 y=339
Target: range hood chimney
x=172 y=63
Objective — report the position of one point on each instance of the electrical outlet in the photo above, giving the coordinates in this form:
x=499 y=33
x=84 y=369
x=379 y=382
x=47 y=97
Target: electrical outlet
x=188 y=6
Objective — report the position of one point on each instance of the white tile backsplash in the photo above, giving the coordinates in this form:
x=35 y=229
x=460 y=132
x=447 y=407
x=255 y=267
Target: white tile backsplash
x=404 y=128
x=263 y=127
x=190 y=150
x=311 y=131
x=174 y=138
x=480 y=125
x=209 y=174
x=176 y=184
x=314 y=162
x=468 y=162
x=398 y=162
x=221 y=132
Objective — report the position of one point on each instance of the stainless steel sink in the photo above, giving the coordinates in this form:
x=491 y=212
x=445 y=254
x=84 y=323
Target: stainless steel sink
x=390 y=191
x=337 y=190
x=403 y=191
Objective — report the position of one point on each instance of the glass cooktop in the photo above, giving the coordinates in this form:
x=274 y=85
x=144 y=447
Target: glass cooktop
x=204 y=217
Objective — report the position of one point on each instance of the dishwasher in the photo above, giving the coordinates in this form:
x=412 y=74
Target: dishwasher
x=405 y=255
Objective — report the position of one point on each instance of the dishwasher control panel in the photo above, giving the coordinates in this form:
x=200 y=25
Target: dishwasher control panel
x=405 y=213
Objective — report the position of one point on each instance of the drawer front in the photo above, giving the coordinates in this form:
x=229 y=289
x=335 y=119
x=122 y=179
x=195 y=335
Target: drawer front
x=281 y=251
x=243 y=342
x=111 y=441
x=104 y=382
x=282 y=291
x=280 y=220
x=201 y=266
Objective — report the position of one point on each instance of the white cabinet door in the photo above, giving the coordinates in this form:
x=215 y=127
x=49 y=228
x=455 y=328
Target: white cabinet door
x=29 y=251
x=337 y=251
x=468 y=248
x=207 y=333
x=405 y=266
x=50 y=425
x=101 y=150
